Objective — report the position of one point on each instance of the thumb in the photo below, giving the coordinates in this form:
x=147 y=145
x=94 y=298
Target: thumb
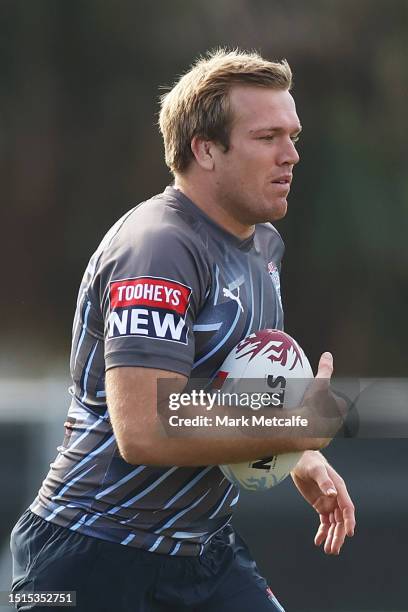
x=322 y=379
x=324 y=482
x=325 y=367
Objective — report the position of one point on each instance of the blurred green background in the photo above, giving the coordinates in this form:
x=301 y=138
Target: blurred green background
x=79 y=84
x=79 y=88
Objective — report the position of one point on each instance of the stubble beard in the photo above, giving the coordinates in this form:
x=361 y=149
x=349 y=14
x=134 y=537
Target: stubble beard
x=247 y=210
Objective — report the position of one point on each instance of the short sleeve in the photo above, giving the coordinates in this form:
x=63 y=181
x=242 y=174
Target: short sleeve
x=152 y=284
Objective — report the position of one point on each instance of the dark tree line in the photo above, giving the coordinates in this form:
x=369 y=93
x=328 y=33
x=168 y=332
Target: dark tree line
x=79 y=87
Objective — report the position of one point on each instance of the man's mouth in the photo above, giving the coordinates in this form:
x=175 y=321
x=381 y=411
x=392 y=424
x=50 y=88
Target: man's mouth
x=283 y=180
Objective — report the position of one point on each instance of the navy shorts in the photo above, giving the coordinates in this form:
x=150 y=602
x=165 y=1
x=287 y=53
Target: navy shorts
x=111 y=577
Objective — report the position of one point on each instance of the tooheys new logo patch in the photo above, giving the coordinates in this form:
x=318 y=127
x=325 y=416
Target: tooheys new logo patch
x=150 y=307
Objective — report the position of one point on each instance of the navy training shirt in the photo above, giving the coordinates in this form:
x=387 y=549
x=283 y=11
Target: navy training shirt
x=167 y=288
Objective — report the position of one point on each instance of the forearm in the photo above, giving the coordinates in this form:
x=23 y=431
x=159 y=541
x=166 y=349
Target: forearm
x=160 y=444
x=212 y=451
x=146 y=436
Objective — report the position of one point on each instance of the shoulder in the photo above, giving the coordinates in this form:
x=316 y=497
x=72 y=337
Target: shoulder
x=155 y=228
x=155 y=239
x=269 y=230
x=269 y=240
x=158 y=222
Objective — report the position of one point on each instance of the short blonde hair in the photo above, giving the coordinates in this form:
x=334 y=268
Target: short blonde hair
x=198 y=103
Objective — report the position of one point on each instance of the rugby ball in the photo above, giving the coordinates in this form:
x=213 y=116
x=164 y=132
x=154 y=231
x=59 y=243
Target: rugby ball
x=271 y=359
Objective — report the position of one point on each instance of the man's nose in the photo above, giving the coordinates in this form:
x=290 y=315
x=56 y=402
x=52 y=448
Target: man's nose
x=289 y=154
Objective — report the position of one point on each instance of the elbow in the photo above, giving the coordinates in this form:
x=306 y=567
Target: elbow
x=130 y=455
x=140 y=452
x=132 y=452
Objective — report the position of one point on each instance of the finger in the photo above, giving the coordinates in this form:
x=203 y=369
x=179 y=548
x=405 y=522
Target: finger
x=322 y=378
x=322 y=479
x=325 y=367
x=339 y=533
x=318 y=402
x=344 y=502
x=349 y=520
x=323 y=530
x=329 y=539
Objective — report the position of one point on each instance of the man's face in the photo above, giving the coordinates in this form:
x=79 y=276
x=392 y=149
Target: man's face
x=253 y=177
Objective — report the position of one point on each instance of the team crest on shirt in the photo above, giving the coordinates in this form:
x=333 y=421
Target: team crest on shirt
x=149 y=307
x=274 y=274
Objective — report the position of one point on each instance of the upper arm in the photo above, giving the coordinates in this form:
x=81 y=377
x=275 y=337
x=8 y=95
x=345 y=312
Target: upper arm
x=152 y=282
x=152 y=286
x=133 y=394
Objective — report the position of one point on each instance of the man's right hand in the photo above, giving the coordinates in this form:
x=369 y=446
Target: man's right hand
x=324 y=410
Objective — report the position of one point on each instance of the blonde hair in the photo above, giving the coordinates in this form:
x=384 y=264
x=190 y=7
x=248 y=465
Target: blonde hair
x=198 y=103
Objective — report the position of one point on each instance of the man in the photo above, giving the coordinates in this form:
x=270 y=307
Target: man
x=130 y=519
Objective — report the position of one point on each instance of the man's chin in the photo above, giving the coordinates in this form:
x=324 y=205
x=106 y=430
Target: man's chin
x=279 y=210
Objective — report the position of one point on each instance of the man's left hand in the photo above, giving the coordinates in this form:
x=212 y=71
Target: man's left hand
x=326 y=492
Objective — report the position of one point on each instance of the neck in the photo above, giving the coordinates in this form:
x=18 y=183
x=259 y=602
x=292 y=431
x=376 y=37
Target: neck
x=204 y=198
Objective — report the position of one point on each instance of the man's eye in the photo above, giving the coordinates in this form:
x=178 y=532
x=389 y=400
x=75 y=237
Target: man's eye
x=267 y=137
x=295 y=138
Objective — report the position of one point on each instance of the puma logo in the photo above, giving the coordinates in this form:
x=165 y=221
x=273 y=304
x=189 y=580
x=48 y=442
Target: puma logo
x=227 y=293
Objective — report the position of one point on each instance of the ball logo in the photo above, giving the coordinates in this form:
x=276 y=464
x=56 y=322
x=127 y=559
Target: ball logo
x=219 y=379
x=150 y=307
x=272 y=344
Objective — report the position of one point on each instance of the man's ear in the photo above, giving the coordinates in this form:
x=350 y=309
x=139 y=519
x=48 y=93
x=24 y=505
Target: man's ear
x=203 y=152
